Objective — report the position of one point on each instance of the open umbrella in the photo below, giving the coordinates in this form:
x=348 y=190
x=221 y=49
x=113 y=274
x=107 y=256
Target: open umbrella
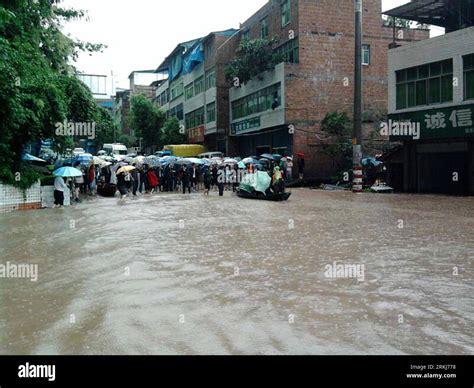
x=249 y=161
x=67 y=172
x=196 y=161
x=183 y=162
x=31 y=158
x=138 y=160
x=98 y=161
x=119 y=165
x=125 y=169
x=230 y=161
x=241 y=165
x=84 y=159
x=152 y=161
x=267 y=156
x=278 y=157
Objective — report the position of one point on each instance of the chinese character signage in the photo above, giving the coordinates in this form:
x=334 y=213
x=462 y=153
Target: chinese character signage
x=196 y=135
x=455 y=121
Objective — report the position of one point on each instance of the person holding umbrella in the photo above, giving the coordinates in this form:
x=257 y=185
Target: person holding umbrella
x=123 y=180
x=59 y=187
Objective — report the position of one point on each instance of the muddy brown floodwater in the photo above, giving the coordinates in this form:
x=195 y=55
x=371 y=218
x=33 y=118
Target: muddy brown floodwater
x=174 y=274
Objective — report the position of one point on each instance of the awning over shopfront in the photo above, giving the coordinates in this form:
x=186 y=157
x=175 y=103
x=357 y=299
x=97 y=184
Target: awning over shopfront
x=450 y=14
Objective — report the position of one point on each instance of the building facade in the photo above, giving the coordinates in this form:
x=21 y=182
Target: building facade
x=196 y=91
x=431 y=87
x=281 y=111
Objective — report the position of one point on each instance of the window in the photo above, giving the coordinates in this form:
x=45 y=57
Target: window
x=176 y=111
x=211 y=112
x=468 y=61
x=264 y=28
x=199 y=86
x=265 y=99
x=285 y=13
x=195 y=118
x=210 y=79
x=189 y=91
x=366 y=54
x=424 y=85
x=177 y=90
x=163 y=98
x=246 y=35
x=290 y=51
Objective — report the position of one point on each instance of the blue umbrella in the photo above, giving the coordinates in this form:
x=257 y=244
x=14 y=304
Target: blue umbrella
x=67 y=172
x=373 y=161
x=84 y=159
x=31 y=158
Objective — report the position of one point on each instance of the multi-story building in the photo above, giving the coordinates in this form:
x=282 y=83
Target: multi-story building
x=196 y=91
x=431 y=101
x=123 y=97
x=281 y=111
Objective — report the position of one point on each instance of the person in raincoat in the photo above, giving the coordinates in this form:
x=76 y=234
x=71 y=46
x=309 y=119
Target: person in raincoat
x=277 y=180
x=152 y=180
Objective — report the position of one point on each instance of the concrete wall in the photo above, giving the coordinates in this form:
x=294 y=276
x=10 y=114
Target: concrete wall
x=453 y=45
x=36 y=197
x=269 y=118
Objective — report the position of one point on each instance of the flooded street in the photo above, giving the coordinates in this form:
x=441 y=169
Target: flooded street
x=174 y=274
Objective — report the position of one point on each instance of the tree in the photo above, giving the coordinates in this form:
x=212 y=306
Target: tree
x=38 y=86
x=402 y=23
x=253 y=58
x=172 y=133
x=337 y=126
x=146 y=119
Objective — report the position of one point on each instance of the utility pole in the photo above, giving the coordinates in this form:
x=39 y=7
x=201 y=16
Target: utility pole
x=357 y=136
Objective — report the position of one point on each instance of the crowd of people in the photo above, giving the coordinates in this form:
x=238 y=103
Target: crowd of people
x=134 y=179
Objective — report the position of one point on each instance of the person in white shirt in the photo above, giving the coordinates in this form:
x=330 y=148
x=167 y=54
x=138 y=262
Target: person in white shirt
x=59 y=187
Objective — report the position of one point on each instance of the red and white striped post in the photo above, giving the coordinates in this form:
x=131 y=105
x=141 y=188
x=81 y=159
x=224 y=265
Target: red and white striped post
x=357 y=180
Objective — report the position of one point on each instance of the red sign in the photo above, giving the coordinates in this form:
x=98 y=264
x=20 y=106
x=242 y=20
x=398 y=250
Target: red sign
x=196 y=135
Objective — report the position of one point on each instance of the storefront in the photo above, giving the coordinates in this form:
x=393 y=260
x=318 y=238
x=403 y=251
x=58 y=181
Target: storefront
x=275 y=141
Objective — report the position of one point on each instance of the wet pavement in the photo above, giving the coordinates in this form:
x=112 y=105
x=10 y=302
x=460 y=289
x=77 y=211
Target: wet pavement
x=174 y=274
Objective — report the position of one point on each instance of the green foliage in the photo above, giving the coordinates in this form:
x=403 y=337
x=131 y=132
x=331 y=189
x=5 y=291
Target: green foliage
x=253 y=58
x=399 y=22
x=38 y=87
x=23 y=177
x=338 y=126
x=170 y=132
x=146 y=119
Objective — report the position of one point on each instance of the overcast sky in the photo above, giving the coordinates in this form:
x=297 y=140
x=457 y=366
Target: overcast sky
x=141 y=33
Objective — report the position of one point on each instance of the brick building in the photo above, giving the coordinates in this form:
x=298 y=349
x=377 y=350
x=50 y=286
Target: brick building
x=281 y=110
x=317 y=38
